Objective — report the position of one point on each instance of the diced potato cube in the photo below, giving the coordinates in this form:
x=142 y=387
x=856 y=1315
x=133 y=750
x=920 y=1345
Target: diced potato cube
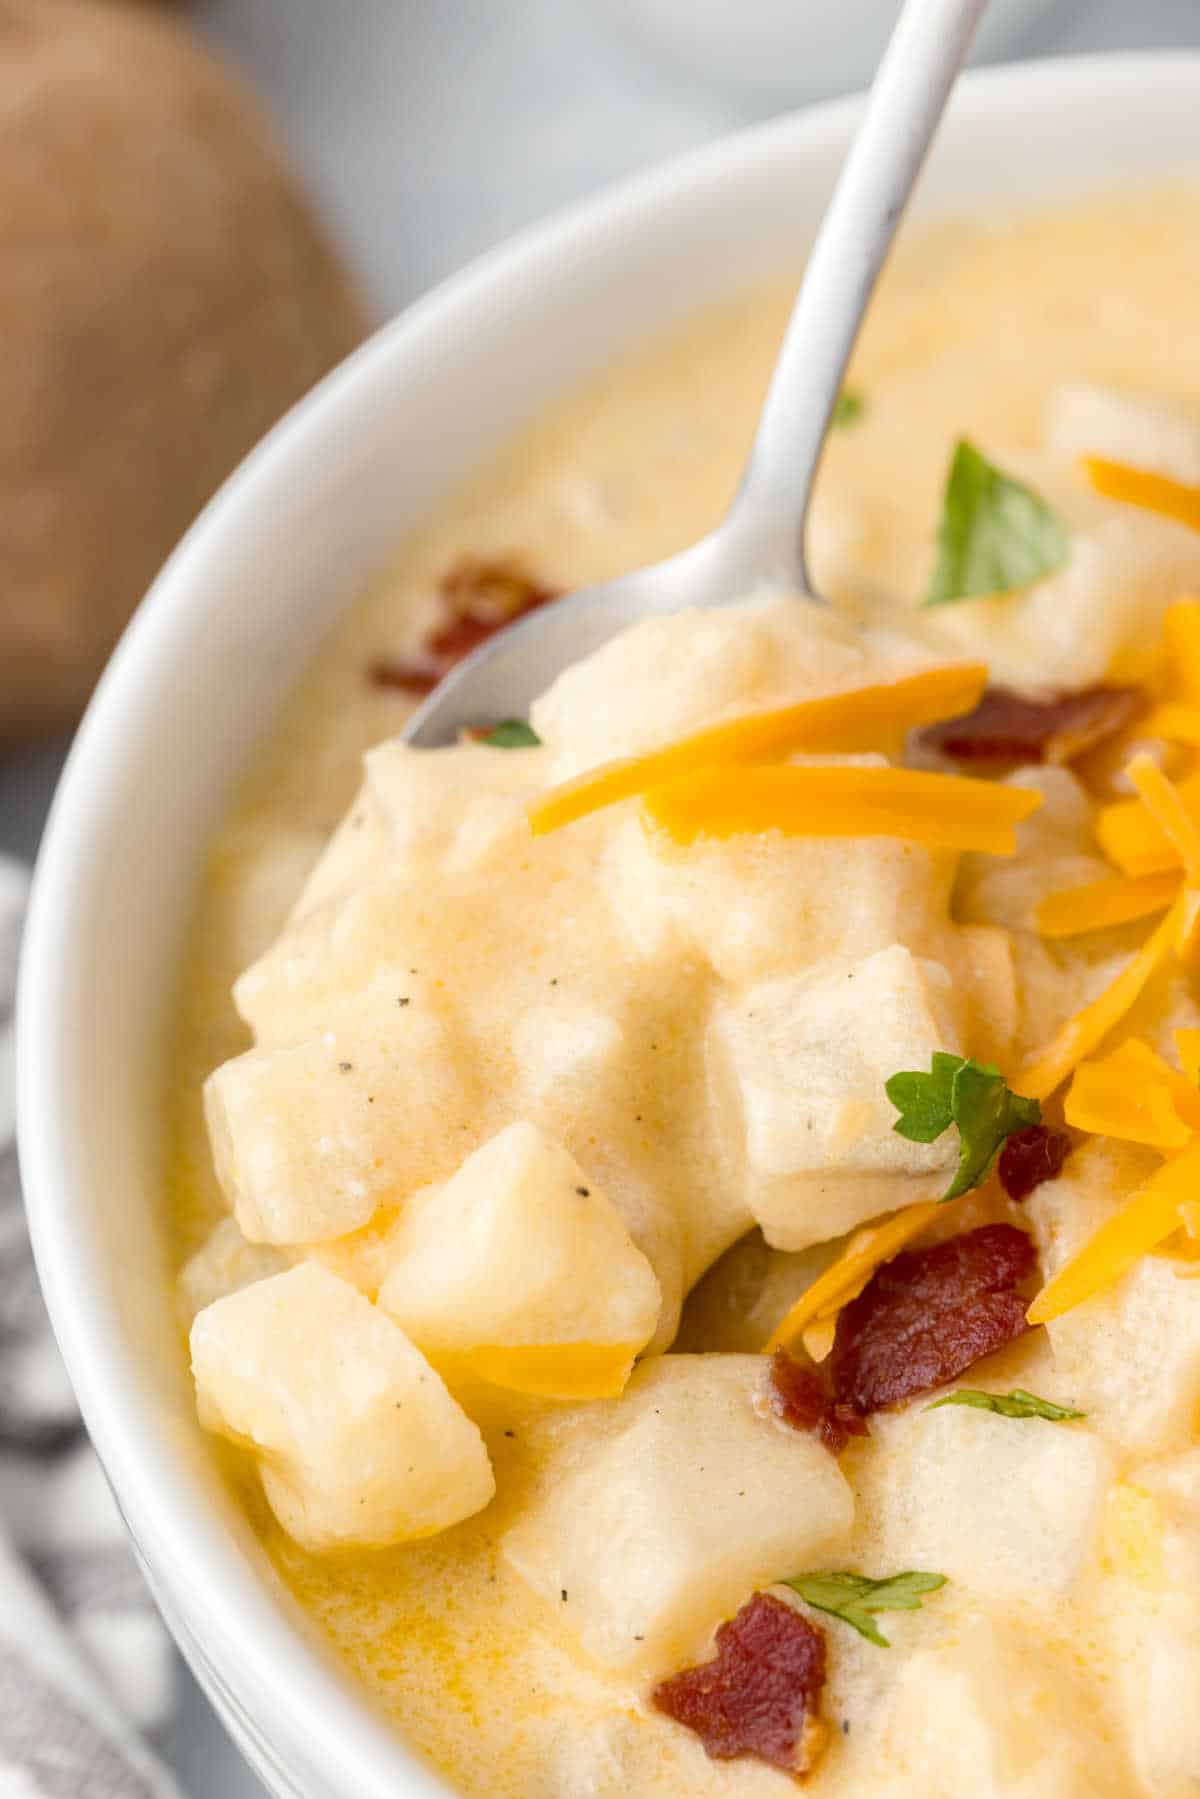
x=521 y=1267
x=676 y=673
x=225 y=1263
x=566 y=1055
x=755 y=906
x=657 y=1514
x=446 y=809
x=1056 y=849
x=992 y=1713
x=1084 y=420
x=1005 y=1507
x=805 y=1060
x=1125 y=568
x=357 y=1439
x=310 y=1138
x=362 y=1257
x=338 y=949
x=1131 y=1353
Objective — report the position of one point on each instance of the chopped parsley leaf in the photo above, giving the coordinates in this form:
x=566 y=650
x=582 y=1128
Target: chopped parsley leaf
x=972 y=1095
x=512 y=734
x=996 y=534
x=1017 y=1404
x=855 y=1598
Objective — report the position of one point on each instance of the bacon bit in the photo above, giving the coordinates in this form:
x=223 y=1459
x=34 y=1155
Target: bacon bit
x=1031 y=1157
x=1007 y=729
x=759 y=1694
x=479 y=597
x=929 y=1314
x=800 y=1398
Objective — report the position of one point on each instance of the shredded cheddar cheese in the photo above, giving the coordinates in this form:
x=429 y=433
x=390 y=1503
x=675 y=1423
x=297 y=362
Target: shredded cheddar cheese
x=1088 y=1027
x=947 y=812
x=1187 y=1045
x=1133 y=839
x=866 y=1251
x=1148 y=1220
x=1174 y=721
x=553 y=1370
x=818 y=1336
x=864 y=718
x=1129 y=1094
x=1138 y=487
x=1164 y=802
x=1181 y=648
x=1100 y=904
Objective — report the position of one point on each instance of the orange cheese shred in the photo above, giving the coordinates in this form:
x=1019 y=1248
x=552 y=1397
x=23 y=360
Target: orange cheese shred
x=864 y=718
x=1131 y=1094
x=1185 y=1094
x=1149 y=1219
x=1173 y=720
x=845 y=1279
x=1087 y=1028
x=1100 y=904
x=1139 y=487
x=1187 y=1047
x=1165 y=804
x=1181 y=649
x=1133 y=839
x=946 y=812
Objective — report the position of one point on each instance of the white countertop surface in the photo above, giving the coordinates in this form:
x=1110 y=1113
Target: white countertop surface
x=430 y=129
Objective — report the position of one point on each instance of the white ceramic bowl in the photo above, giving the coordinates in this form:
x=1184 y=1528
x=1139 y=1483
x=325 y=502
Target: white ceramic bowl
x=241 y=604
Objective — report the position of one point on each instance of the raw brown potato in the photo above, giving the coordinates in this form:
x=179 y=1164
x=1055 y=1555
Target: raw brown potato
x=166 y=296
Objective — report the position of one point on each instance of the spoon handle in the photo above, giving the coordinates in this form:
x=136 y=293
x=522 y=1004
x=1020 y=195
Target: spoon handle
x=927 y=49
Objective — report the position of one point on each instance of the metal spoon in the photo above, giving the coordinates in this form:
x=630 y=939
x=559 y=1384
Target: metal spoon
x=761 y=539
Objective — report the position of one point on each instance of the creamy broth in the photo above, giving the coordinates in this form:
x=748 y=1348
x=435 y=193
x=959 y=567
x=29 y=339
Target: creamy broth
x=972 y=331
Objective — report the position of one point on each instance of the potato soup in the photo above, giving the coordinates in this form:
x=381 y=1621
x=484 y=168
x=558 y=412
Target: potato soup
x=688 y=1204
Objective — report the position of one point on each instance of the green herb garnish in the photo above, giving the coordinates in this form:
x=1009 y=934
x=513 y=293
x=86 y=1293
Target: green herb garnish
x=1017 y=1404
x=996 y=534
x=848 y=408
x=855 y=1598
x=512 y=734
x=974 y=1096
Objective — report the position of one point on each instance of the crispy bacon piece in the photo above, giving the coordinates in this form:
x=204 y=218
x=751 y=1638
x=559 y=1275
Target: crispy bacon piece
x=928 y=1314
x=760 y=1693
x=1008 y=728
x=800 y=1397
x=1030 y=1157
x=479 y=596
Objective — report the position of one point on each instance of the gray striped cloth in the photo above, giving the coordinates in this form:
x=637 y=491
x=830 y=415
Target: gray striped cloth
x=86 y=1670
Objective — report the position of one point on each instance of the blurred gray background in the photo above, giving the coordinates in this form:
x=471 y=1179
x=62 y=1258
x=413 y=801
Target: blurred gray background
x=430 y=129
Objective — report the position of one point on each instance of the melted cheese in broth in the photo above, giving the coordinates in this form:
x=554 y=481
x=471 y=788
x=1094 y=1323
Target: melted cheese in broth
x=1063 y=1657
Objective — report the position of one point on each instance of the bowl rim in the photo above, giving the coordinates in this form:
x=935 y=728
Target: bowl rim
x=169 y=1519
